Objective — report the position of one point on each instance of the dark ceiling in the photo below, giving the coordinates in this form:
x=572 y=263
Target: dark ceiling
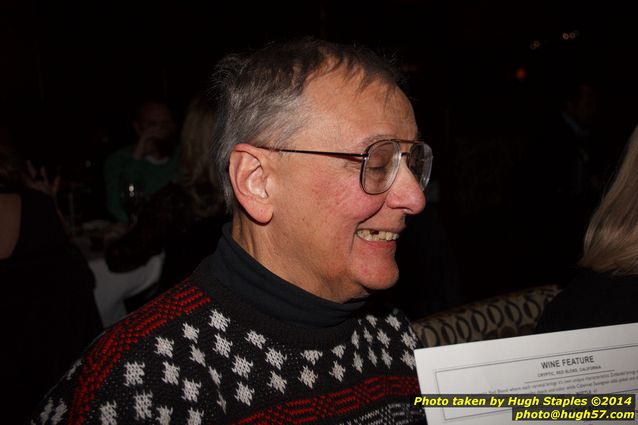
x=78 y=66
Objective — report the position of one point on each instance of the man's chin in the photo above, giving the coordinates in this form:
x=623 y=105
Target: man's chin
x=380 y=283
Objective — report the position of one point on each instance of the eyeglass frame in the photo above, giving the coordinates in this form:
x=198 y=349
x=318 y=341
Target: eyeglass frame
x=365 y=155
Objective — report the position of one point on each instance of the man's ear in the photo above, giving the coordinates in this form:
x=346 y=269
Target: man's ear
x=249 y=177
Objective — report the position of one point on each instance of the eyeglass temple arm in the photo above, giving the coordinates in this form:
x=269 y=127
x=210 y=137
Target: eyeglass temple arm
x=357 y=155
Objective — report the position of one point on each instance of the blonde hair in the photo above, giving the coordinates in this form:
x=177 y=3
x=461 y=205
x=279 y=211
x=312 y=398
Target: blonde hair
x=611 y=241
x=197 y=172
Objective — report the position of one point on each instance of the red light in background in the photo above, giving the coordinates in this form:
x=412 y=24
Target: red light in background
x=521 y=73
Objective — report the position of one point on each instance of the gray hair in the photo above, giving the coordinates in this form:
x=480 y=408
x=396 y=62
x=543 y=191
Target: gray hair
x=259 y=95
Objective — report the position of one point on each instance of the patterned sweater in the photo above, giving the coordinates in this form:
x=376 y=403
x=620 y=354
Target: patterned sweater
x=201 y=354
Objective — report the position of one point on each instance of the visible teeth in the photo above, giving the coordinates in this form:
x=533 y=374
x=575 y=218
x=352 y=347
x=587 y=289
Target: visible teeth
x=377 y=235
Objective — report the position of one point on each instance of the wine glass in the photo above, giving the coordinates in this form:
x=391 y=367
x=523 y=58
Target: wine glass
x=132 y=197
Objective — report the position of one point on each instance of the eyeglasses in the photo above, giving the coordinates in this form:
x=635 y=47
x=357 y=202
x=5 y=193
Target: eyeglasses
x=381 y=160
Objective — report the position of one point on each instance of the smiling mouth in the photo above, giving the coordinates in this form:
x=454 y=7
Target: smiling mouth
x=377 y=235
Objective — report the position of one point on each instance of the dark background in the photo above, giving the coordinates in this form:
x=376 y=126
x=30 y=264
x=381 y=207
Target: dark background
x=71 y=75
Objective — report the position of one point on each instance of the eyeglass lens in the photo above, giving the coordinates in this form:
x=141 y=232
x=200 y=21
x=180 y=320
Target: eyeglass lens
x=379 y=167
x=420 y=163
x=383 y=162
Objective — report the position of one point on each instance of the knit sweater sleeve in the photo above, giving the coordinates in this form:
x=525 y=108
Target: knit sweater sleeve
x=135 y=374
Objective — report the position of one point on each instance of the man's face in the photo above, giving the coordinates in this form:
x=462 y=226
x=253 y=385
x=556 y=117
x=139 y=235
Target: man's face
x=321 y=212
x=155 y=121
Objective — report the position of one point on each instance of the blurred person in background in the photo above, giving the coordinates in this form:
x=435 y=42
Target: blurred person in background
x=184 y=218
x=558 y=184
x=48 y=311
x=605 y=289
x=132 y=174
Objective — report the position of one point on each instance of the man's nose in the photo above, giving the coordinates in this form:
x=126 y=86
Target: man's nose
x=405 y=192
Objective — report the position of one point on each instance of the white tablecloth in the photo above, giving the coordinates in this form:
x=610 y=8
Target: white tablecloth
x=111 y=289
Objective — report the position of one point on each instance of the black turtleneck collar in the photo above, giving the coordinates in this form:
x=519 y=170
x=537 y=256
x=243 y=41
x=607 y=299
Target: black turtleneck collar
x=233 y=267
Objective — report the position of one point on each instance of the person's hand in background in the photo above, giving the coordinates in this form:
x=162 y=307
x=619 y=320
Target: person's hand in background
x=146 y=142
x=39 y=180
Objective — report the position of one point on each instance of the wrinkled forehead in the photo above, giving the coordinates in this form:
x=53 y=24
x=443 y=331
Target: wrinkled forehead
x=346 y=97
